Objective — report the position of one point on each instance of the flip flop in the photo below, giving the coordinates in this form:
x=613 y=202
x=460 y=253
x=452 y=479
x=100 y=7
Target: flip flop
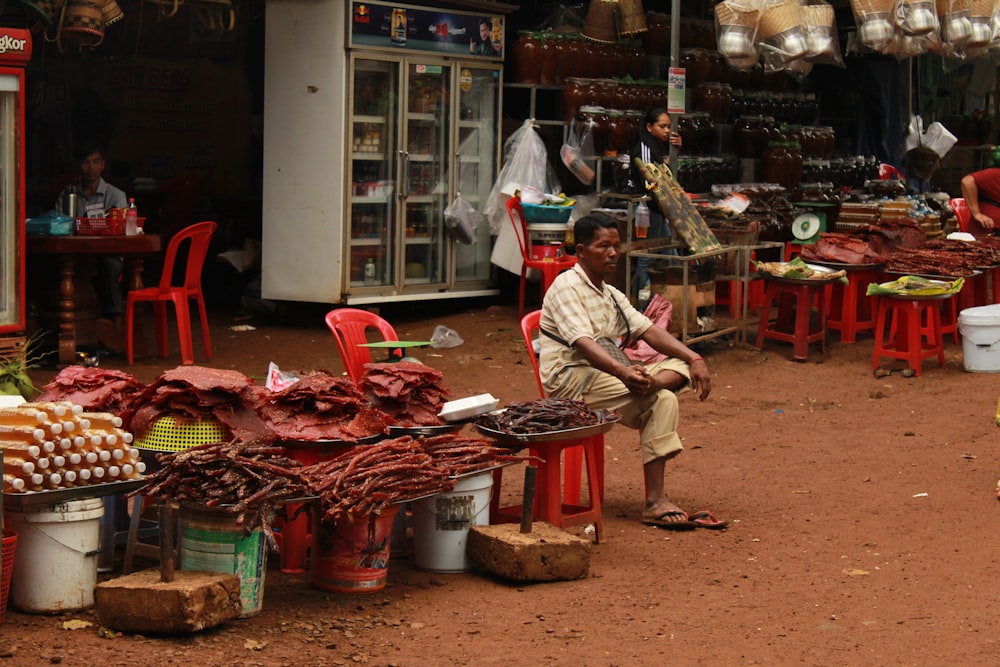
x=705 y=519
x=662 y=521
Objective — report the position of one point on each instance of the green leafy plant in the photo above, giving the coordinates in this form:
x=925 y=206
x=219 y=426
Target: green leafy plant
x=14 y=379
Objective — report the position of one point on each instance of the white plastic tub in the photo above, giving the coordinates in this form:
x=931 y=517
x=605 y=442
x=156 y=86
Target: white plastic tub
x=980 y=329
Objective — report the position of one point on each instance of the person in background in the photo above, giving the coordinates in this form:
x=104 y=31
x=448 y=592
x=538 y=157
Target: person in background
x=579 y=309
x=95 y=198
x=485 y=46
x=655 y=140
x=981 y=190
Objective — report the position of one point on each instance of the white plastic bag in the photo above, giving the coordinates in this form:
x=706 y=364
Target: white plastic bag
x=463 y=220
x=526 y=164
x=443 y=337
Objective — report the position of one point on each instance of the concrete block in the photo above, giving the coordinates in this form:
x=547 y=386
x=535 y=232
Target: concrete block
x=545 y=554
x=193 y=601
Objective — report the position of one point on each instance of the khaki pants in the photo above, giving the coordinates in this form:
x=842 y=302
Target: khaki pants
x=655 y=416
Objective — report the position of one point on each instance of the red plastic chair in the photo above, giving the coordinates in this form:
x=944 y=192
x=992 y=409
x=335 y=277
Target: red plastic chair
x=559 y=506
x=199 y=235
x=962 y=214
x=549 y=266
x=887 y=172
x=349 y=327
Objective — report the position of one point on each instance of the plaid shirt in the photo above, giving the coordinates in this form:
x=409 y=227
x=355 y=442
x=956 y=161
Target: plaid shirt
x=574 y=308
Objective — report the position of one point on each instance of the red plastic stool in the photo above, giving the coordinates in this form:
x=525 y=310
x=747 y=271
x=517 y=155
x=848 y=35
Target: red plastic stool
x=797 y=331
x=909 y=338
x=850 y=310
x=949 y=318
x=294 y=534
x=550 y=503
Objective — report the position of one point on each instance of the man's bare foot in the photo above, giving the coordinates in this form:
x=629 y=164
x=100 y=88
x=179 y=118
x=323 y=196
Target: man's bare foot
x=665 y=514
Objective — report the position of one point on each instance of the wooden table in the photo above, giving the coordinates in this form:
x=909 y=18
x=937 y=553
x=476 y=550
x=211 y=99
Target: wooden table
x=67 y=249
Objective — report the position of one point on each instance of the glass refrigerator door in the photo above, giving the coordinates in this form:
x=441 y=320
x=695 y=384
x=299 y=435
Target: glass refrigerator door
x=478 y=128
x=373 y=162
x=10 y=255
x=425 y=165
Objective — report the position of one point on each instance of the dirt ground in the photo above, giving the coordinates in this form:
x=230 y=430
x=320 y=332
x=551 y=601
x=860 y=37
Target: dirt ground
x=863 y=515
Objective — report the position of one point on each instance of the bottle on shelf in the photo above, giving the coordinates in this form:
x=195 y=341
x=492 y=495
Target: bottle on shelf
x=131 y=218
x=370 y=272
x=641 y=220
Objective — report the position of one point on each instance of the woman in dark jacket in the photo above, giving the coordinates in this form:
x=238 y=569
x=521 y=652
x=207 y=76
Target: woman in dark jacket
x=655 y=139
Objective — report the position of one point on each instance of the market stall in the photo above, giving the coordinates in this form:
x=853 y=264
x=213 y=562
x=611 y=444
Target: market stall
x=352 y=461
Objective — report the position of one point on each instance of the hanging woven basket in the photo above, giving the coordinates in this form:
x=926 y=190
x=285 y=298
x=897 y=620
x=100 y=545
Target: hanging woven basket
x=81 y=23
x=110 y=12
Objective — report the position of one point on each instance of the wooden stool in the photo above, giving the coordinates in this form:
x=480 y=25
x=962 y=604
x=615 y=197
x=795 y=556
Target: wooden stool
x=851 y=310
x=909 y=338
x=797 y=295
x=550 y=504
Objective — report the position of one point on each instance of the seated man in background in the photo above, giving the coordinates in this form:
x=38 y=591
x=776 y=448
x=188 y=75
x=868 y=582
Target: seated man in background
x=95 y=198
x=981 y=190
x=579 y=309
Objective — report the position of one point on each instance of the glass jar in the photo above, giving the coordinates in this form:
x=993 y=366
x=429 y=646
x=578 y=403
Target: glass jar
x=598 y=120
x=705 y=131
x=636 y=60
x=560 y=60
x=527 y=55
x=828 y=141
x=547 y=72
x=618 y=131
x=686 y=126
x=634 y=117
x=696 y=65
x=607 y=95
x=781 y=163
x=750 y=136
x=576 y=94
x=715 y=98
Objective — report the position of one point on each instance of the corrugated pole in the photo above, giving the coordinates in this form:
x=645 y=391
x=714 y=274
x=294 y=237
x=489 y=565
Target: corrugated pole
x=675 y=59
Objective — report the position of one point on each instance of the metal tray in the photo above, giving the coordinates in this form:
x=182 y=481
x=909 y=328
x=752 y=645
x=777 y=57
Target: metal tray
x=844 y=265
x=565 y=434
x=436 y=429
x=29 y=499
x=367 y=440
x=802 y=281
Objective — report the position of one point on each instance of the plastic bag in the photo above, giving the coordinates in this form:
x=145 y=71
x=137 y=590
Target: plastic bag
x=443 y=337
x=526 y=164
x=463 y=220
x=579 y=149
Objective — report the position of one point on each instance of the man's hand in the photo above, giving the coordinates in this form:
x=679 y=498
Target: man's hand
x=984 y=220
x=701 y=379
x=637 y=380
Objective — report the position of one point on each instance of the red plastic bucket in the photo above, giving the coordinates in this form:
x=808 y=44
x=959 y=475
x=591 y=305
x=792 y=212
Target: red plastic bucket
x=6 y=569
x=351 y=557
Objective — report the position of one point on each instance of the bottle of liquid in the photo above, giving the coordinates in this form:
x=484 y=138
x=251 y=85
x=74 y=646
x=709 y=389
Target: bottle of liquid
x=370 y=271
x=641 y=220
x=131 y=218
x=12 y=484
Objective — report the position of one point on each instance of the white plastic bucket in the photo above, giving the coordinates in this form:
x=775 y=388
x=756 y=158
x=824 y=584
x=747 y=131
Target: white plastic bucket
x=57 y=548
x=441 y=524
x=980 y=329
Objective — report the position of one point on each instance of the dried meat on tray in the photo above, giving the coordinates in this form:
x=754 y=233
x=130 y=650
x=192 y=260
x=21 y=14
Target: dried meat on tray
x=411 y=393
x=321 y=406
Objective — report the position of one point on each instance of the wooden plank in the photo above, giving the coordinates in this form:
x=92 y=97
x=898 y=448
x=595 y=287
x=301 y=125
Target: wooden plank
x=677 y=208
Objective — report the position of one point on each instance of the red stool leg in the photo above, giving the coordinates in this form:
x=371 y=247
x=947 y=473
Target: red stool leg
x=803 y=313
x=548 y=500
x=295 y=540
x=884 y=306
x=573 y=467
x=765 y=313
